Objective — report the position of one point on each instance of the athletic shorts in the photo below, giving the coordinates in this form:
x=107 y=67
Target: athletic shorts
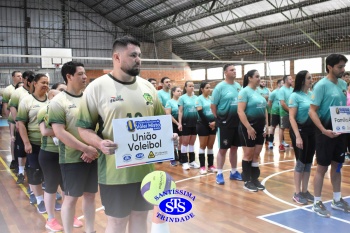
x=19 y=146
x=275 y=120
x=79 y=178
x=176 y=129
x=52 y=171
x=204 y=130
x=329 y=149
x=284 y=123
x=33 y=158
x=243 y=135
x=228 y=137
x=269 y=118
x=187 y=131
x=307 y=134
x=120 y=200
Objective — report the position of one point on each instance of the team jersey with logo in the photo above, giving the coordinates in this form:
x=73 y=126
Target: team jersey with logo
x=275 y=108
x=27 y=112
x=10 y=118
x=205 y=104
x=174 y=106
x=225 y=98
x=163 y=96
x=189 y=116
x=255 y=104
x=301 y=101
x=63 y=110
x=17 y=96
x=324 y=95
x=6 y=96
x=265 y=92
x=106 y=99
x=283 y=94
x=47 y=143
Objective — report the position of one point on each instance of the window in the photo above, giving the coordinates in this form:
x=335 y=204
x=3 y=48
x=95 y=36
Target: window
x=313 y=65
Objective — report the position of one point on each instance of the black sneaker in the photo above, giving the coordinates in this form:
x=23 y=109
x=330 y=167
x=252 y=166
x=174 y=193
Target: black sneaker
x=13 y=164
x=20 y=179
x=341 y=205
x=258 y=184
x=250 y=186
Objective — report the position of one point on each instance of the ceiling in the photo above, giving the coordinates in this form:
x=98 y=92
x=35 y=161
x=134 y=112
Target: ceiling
x=235 y=29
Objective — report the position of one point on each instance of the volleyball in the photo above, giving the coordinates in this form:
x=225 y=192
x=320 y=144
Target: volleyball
x=154 y=184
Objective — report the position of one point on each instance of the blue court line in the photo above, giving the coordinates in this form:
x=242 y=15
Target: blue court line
x=303 y=219
x=3 y=122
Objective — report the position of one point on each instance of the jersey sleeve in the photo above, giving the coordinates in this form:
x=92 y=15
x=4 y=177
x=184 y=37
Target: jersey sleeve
x=42 y=115
x=158 y=107
x=168 y=104
x=215 y=96
x=199 y=102
x=23 y=110
x=181 y=101
x=293 y=101
x=6 y=96
x=14 y=100
x=88 y=110
x=243 y=96
x=317 y=95
x=57 y=113
x=281 y=95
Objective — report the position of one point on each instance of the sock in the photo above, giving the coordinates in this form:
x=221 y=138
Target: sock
x=219 y=171
x=202 y=157
x=255 y=164
x=336 y=196
x=160 y=228
x=233 y=170
x=179 y=155
x=176 y=155
x=20 y=169
x=184 y=149
x=191 y=156
x=190 y=148
x=271 y=138
x=39 y=199
x=246 y=170
x=317 y=199
x=183 y=158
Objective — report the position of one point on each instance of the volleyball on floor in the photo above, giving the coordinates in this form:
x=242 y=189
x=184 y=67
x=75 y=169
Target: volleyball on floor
x=155 y=183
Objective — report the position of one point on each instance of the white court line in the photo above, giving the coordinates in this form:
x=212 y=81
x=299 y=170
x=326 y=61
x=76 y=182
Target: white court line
x=4 y=150
x=280 y=225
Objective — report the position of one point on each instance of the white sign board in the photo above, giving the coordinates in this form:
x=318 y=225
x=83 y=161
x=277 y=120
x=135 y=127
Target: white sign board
x=143 y=140
x=340 y=117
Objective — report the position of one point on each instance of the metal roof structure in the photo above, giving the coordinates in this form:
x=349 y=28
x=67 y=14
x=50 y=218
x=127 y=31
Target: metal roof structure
x=234 y=29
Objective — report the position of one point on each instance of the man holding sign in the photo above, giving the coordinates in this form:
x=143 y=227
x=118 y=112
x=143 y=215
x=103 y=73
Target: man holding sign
x=330 y=145
x=119 y=94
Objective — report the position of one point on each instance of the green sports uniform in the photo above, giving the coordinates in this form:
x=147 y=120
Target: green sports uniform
x=106 y=99
x=326 y=94
x=6 y=96
x=188 y=103
x=10 y=118
x=27 y=112
x=205 y=104
x=225 y=97
x=301 y=101
x=283 y=94
x=163 y=96
x=275 y=108
x=265 y=92
x=18 y=96
x=47 y=143
x=63 y=110
x=256 y=105
x=174 y=106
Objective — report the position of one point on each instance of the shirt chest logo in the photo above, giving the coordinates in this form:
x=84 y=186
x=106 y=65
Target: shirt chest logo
x=148 y=98
x=115 y=98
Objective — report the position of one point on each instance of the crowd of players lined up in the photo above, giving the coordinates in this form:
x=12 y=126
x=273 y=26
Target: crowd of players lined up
x=46 y=138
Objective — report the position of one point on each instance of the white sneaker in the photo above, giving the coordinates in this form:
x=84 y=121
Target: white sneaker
x=212 y=169
x=185 y=166
x=202 y=171
x=194 y=165
x=270 y=145
x=285 y=144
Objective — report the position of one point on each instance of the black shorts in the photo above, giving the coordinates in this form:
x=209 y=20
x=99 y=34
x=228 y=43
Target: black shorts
x=275 y=120
x=329 y=149
x=187 y=131
x=228 y=137
x=243 y=135
x=176 y=129
x=204 y=130
x=19 y=146
x=308 y=136
x=79 y=178
x=284 y=123
x=33 y=158
x=269 y=118
x=51 y=170
x=120 y=200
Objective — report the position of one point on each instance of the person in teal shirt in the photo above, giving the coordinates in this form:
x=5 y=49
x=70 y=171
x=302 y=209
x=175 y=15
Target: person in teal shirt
x=172 y=108
x=274 y=117
x=164 y=94
x=224 y=108
x=302 y=135
x=253 y=123
x=187 y=125
x=330 y=145
x=206 y=129
x=283 y=96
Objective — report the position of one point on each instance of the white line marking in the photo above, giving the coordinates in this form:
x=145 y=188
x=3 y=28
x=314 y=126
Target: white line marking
x=280 y=225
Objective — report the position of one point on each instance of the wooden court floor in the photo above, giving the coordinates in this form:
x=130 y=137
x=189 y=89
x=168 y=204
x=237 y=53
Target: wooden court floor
x=217 y=208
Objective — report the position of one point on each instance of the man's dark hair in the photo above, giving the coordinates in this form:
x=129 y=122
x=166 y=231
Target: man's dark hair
x=69 y=68
x=334 y=59
x=28 y=74
x=123 y=42
x=14 y=72
x=151 y=79
x=227 y=65
x=346 y=73
x=285 y=77
x=279 y=81
x=163 y=79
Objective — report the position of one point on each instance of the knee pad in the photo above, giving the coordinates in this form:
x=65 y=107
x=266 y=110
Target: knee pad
x=35 y=176
x=299 y=167
x=308 y=167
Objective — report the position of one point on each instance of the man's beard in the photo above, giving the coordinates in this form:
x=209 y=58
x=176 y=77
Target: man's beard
x=132 y=71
